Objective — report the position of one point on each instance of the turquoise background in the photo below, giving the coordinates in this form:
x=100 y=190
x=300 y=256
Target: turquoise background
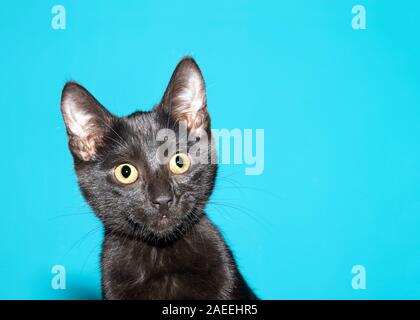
x=340 y=110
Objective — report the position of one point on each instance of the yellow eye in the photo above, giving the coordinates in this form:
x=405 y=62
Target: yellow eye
x=179 y=163
x=126 y=173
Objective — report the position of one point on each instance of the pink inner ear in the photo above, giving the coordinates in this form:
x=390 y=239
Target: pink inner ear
x=188 y=100
x=84 y=148
x=86 y=120
x=200 y=119
x=185 y=97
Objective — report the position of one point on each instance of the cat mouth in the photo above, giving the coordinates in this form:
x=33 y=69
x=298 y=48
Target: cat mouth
x=162 y=224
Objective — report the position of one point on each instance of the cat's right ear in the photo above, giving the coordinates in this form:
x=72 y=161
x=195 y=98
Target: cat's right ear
x=86 y=120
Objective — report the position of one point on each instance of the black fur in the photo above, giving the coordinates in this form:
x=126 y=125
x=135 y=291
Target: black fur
x=143 y=258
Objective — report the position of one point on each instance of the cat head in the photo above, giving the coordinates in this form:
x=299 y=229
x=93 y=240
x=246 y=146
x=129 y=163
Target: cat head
x=129 y=187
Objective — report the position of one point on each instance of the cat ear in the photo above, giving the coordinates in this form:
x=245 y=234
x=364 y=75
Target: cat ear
x=185 y=96
x=86 y=120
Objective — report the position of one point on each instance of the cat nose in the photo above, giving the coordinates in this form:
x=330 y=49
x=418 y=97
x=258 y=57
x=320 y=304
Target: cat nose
x=162 y=201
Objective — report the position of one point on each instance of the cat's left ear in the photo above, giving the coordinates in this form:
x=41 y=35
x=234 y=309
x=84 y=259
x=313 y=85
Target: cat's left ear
x=185 y=96
x=87 y=121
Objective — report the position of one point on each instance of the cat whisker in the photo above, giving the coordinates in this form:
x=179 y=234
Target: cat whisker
x=83 y=238
x=242 y=209
x=69 y=215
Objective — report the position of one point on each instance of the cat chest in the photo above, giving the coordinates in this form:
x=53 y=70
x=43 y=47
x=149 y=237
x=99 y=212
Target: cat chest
x=164 y=275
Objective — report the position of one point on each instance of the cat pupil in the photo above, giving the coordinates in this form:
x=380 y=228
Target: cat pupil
x=179 y=162
x=125 y=171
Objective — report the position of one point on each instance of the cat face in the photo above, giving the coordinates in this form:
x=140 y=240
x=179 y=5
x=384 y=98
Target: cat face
x=116 y=158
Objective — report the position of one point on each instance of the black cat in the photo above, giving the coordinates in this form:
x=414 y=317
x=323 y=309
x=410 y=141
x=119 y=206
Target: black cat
x=159 y=244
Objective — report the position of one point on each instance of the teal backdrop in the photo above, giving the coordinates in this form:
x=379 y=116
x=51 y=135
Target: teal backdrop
x=339 y=108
